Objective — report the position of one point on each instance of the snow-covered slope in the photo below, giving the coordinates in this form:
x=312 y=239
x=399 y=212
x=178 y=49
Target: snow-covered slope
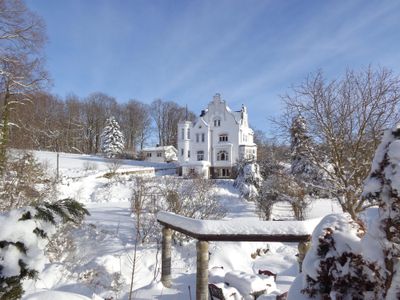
x=99 y=256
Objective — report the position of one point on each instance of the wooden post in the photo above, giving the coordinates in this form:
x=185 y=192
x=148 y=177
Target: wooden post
x=202 y=271
x=303 y=248
x=58 y=166
x=166 y=257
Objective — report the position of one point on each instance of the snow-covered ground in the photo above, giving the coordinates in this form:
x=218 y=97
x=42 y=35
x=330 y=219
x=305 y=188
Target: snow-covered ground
x=100 y=253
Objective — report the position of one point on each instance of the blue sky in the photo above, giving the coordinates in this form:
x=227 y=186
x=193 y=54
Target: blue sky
x=185 y=51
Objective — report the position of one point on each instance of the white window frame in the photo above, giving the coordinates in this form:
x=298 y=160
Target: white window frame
x=222 y=155
x=200 y=155
x=223 y=137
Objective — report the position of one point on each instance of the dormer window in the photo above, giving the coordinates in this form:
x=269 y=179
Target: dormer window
x=223 y=137
x=222 y=155
x=217 y=122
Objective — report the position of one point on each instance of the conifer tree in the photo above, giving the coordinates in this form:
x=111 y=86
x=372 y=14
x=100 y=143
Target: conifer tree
x=112 y=139
x=249 y=179
x=302 y=167
x=298 y=146
x=383 y=188
x=24 y=244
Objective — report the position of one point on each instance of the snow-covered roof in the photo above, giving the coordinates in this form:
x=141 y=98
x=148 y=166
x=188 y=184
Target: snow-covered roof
x=238 y=226
x=159 y=148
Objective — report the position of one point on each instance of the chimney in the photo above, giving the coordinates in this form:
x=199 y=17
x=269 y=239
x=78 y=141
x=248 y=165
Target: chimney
x=217 y=97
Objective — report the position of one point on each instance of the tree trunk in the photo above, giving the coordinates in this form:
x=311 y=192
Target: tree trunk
x=4 y=136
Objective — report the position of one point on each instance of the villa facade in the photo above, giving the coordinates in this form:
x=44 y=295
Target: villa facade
x=212 y=145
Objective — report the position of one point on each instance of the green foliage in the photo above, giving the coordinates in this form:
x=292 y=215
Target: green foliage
x=11 y=287
x=64 y=211
x=68 y=210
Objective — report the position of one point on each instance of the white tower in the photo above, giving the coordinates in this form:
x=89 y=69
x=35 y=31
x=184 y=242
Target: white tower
x=184 y=136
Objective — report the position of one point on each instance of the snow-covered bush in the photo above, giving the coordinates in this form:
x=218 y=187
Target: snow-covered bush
x=383 y=188
x=334 y=267
x=266 y=198
x=282 y=186
x=193 y=198
x=170 y=155
x=112 y=139
x=344 y=262
x=23 y=238
x=249 y=179
x=144 y=209
x=23 y=183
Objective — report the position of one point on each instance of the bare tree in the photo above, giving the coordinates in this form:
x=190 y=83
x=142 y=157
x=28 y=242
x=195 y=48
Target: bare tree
x=346 y=118
x=167 y=115
x=136 y=124
x=21 y=38
x=98 y=107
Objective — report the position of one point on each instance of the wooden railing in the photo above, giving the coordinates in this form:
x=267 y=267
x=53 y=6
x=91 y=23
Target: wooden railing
x=210 y=230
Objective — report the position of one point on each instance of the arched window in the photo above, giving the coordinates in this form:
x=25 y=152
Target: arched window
x=222 y=155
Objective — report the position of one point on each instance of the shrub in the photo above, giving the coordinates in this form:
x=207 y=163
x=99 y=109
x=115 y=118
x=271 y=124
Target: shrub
x=23 y=239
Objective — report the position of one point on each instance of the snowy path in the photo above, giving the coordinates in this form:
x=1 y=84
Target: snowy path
x=113 y=217
x=235 y=206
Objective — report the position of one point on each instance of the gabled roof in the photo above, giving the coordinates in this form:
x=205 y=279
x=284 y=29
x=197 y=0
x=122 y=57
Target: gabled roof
x=200 y=121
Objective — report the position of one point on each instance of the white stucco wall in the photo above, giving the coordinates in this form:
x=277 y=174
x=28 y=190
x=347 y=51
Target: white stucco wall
x=234 y=124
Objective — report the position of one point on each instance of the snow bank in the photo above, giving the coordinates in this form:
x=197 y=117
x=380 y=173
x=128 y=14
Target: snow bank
x=55 y=295
x=239 y=226
x=245 y=283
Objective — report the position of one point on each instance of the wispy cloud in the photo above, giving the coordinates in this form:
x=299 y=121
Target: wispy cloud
x=250 y=51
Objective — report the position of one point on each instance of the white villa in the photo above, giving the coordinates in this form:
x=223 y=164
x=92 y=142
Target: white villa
x=213 y=144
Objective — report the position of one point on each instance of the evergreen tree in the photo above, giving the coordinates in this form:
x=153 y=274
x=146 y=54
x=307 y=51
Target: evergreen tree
x=303 y=170
x=112 y=139
x=249 y=179
x=383 y=187
x=300 y=145
x=25 y=243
